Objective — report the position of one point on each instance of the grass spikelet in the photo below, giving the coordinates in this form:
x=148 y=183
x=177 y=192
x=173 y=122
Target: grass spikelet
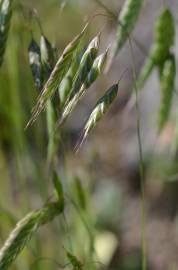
x=99 y=110
x=47 y=54
x=65 y=87
x=85 y=65
x=95 y=71
x=167 y=80
x=5 y=18
x=163 y=41
x=56 y=76
x=34 y=57
x=164 y=36
x=24 y=230
x=127 y=20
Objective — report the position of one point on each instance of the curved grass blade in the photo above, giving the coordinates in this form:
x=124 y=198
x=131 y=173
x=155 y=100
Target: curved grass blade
x=56 y=76
x=167 y=80
x=24 y=230
x=5 y=18
x=98 y=112
x=34 y=57
x=95 y=71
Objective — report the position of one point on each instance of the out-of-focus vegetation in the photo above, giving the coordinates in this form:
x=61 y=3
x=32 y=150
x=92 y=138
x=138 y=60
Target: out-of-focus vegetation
x=102 y=185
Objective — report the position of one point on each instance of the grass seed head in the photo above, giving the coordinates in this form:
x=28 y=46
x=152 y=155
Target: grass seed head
x=127 y=20
x=99 y=110
x=24 y=230
x=47 y=54
x=167 y=81
x=97 y=68
x=85 y=65
x=34 y=57
x=164 y=36
x=56 y=76
x=65 y=87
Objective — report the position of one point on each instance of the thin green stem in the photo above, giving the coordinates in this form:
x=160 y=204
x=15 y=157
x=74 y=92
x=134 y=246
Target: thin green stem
x=141 y=163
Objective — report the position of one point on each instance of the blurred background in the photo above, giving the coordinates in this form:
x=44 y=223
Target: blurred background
x=107 y=165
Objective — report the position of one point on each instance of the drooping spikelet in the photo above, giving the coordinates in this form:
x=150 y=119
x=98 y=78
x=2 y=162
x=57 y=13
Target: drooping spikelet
x=24 y=230
x=56 y=76
x=85 y=65
x=47 y=54
x=95 y=71
x=5 y=18
x=164 y=36
x=167 y=80
x=127 y=20
x=34 y=57
x=65 y=87
x=163 y=41
x=99 y=110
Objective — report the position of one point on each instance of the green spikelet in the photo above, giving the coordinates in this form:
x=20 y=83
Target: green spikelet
x=34 y=57
x=47 y=55
x=99 y=110
x=24 y=230
x=95 y=71
x=56 y=76
x=163 y=41
x=167 y=80
x=85 y=65
x=164 y=37
x=65 y=87
x=127 y=19
x=5 y=18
